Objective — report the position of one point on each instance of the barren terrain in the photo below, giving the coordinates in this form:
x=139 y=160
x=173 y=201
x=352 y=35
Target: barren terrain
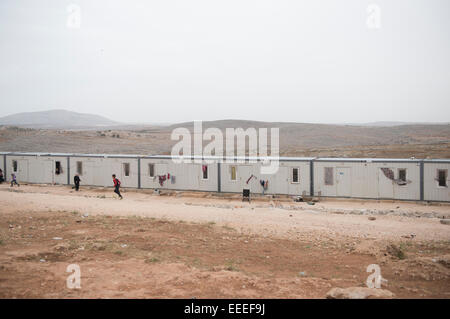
x=202 y=245
x=296 y=139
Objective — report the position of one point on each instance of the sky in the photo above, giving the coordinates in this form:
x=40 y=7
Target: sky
x=328 y=61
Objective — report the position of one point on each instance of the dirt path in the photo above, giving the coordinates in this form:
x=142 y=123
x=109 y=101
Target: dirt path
x=287 y=220
x=186 y=246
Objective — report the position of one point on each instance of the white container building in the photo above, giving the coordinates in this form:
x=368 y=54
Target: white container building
x=402 y=179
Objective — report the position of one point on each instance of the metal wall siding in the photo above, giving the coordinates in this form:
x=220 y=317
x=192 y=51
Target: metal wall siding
x=358 y=178
x=432 y=190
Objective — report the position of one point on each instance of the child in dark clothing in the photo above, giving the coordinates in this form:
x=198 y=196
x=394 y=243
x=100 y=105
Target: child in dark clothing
x=76 y=181
x=116 y=185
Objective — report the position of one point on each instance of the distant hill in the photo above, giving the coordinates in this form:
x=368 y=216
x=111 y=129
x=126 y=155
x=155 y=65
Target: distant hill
x=391 y=123
x=61 y=119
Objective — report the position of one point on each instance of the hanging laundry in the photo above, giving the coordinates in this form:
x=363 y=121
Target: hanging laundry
x=162 y=179
x=172 y=179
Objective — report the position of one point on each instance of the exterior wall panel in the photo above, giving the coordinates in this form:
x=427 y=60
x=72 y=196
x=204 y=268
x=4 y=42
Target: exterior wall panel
x=432 y=190
x=187 y=176
x=97 y=171
x=367 y=180
x=37 y=169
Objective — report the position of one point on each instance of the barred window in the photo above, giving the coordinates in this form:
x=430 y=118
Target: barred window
x=295 y=175
x=80 y=168
x=126 y=169
x=329 y=180
x=442 y=177
x=233 y=173
x=402 y=174
x=151 y=170
x=58 y=169
x=205 y=171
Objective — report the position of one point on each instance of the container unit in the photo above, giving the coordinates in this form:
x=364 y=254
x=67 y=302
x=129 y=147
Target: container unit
x=406 y=182
x=436 y=180
x=162 y=172
x=405 y=179
x=37 y=167
x=97 y=170
x=367 y=178
x=292 y=177
x=3 y=163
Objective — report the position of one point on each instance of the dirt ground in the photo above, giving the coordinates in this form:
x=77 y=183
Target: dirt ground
x=310 y=140
x=202 y=245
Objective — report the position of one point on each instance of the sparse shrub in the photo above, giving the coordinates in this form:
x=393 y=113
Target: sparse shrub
x=152 y=260
x=396 y=251
x=230 y=266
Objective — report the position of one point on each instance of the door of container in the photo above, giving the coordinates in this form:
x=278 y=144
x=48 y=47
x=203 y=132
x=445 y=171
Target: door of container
x=343 y=181
x=385 y=185
x=22 y=170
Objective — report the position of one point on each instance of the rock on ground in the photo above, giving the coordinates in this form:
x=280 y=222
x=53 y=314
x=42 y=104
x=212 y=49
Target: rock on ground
x=359 y=293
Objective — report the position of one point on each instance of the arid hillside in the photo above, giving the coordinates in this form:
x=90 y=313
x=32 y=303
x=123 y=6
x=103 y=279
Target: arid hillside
x=296 y=139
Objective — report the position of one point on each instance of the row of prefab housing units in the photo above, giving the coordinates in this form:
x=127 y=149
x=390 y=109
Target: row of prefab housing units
x=405 y=179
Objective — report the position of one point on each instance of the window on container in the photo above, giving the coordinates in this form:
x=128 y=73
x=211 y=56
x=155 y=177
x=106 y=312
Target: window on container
x=205 y=171
x=402 y=174
x=442 y=177
x=58 y=169
x=329 y=180
x=14 y=163
x=80 y=168
x=295 y=175
x=151 y=170
x=126 y=169
x=233 y=173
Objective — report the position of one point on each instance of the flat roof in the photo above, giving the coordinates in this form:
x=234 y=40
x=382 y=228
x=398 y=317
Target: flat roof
x=281 y=158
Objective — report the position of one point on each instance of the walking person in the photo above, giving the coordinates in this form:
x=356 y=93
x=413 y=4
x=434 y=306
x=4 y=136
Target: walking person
x=14 y=180
x=76 y=181
x=2 y=179
x=116 y=185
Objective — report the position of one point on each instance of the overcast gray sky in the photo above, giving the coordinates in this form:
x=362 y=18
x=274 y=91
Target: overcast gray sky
x=181 y=60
